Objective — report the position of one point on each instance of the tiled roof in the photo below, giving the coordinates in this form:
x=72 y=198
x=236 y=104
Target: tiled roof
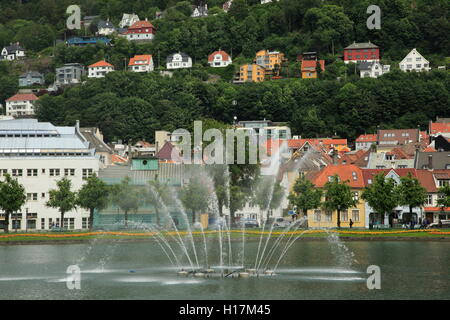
x=23 y=97
x=311 y=64
x=141 y=24
x=118 y=159
x=398 y=135
x=102 y=63
x=348 y=172
x=367 y=138
x=439 y=128
x=225 y=56
x=298 y=143
x=359 y=158
x=165 y=153
x=145 y=57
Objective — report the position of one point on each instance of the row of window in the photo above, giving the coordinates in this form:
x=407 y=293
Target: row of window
x=52 y=172
x=328 y=217
x=50 y=223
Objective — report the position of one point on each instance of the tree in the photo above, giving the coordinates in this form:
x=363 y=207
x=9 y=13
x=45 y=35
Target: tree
x=157 y=194
x=194 y=196
x=304 y=195
x=93 y=195
x=444 y=202
x=12 y=198
x=126 y=196
x=382 y=194
x=411 y=194
x=62 y=198
x=338 y=196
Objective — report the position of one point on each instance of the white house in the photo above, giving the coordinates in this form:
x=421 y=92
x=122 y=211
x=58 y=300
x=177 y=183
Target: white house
x=219 y=59
x=414 y=61
x=226 y=6
x=38 y=154
x=141 y=63
x=267 y=1
x=128 y=19
x=12 y=52
x=99 y=69
x=21 y=104
x=105 y=28
x=178 y=61
x=372 y=69
x=200 y=11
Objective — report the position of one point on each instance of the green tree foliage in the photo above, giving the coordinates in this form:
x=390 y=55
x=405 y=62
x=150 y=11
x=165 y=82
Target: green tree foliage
x=411 y=194
x=268 y=194
x=12 y=198
x=62 y=198
x=126 y=196
x=92 y=196
x=382 y=194
x=305 y=196
x=444 y=202
x=194 y=197
x=158 y=195
x=338 y=196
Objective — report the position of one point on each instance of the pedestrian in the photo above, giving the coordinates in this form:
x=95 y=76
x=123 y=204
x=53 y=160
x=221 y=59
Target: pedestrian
x=350 y=223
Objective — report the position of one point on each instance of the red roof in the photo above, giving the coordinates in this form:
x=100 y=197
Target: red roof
x=298 y=143
x=147 y=58
x=168 y=153
x=436 y=209
x=23 y=97
x=439 y=128
x=311 y=64
x=225 y=56
x=118 y=159
x=141 y=24
x=102 y=63
x=346 y=172
x=429 y=149
x=367 y=138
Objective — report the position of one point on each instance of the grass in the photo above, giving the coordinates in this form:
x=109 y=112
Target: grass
x=250 y=233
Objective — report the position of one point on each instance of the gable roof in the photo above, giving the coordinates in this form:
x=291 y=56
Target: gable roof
x=33 y=74
x=23 y=97
x=102 y=63
x=367 y=138
x=105 y=25
x=225 y=56
x=438 y=127
x=346 y=172
x=397 y=136
x=147 y=58
x=361 y=45
x=184 y=57
x=141 y=24
x=439 y=160
x=311 y=64
x=413 y=52
x=13 y=48
x=165 y=153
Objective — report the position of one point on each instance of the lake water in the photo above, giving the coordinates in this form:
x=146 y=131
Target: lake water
x=310 y=270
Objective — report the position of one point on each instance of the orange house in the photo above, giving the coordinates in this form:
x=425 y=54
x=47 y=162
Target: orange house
x=271 y=61
x=251 y=73
x=309 y=68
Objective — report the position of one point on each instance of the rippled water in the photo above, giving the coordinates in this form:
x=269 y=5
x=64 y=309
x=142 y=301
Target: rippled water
x=310 y=270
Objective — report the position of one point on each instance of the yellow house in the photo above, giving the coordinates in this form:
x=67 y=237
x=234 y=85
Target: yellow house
x=319 y=218
x=271 y=61
x=251 y=73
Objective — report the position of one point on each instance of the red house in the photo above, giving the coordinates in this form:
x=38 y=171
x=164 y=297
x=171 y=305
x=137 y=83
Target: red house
x=364 y=51
x=140 y=31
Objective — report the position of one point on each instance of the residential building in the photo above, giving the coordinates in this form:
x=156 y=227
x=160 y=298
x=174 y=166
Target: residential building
x=140 y=31
x=226 y=6
x=389 y=139
x=84 y=41
x=38 y=154
x=94 y=137
x=99 y=69
x=250 y=73
x=309 y=68
x=161 y=137
x=396 y=159
x=105 y=28
x=141 y=63
x=432 y=180
x=200 y=11
x=271 y=61
x=320 y=218
x=359 y=158
x=219 y=59
x=128 y=19
x=31 y=78
x=372 y=69
x=414 y=61
x=266 y=129
x=70 y=73
x=364 y=51
x=12 y=52
x=144 y=148
x=365 y=141
x=440 y=127
x=440 y=143
x=432 y=160
x=88 y=20
x=21 y=105
x=178 y=60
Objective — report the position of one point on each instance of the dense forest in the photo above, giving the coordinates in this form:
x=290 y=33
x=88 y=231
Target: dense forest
x=131 y=106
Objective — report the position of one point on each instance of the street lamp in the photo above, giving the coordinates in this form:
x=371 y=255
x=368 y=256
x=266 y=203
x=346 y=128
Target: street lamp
x=339 y=216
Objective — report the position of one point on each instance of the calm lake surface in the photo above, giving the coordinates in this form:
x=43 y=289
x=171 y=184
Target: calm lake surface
x=310 y=270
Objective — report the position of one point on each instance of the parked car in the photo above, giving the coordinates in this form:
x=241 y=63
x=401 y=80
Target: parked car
x=248 y=223
x=434 y=225
x=281 y=223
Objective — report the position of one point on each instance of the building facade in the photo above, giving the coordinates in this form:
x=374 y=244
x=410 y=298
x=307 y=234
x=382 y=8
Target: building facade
x=140 y=31
x=70 y=73
x=12 y=52
x=39 y=154
x=365 y=51
x=372 y=69
x=31 y=78
x=219 y=59
x=99 y=69
x=21 y=104
x=414 y=61
x=179 y=60
x=141 y=63
x=251 y=73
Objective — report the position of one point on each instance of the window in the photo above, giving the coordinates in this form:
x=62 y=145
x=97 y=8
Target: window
x=443 y=183
x=87 y=173
x=32 y=172
x=43 y=195
x=17 y=172
x=317 y=215
x=389 y=157
x=3 y=172
x=54 y=172
x=42 y=223
x=328 y=216
x=84 y=223
x=32 y=196
x=355 y=215
x=69 y=172
x=344 y=215
x=429 y=200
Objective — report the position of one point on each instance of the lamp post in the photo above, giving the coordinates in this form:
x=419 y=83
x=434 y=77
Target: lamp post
x=26 y=220
x=339 y=216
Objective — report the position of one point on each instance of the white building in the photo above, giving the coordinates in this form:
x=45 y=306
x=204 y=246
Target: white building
x=414 y=61
x=99 y=69
x=372 y=69
x=105 y=28
x=128 y=19
x=141 y=63
x=227 y=5
x=219 y=59
x=39 y=154
x=21 y=104
x=178 y=61
x=12 y=52
x=200 y=11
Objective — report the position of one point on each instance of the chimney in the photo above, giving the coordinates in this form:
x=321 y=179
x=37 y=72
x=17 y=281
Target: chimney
x=430 y=162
